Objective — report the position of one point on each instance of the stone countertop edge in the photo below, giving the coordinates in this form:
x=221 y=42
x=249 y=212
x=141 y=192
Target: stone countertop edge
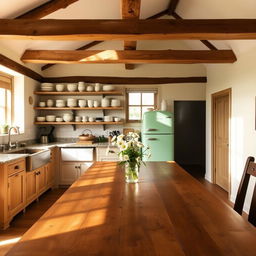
x=5 y=157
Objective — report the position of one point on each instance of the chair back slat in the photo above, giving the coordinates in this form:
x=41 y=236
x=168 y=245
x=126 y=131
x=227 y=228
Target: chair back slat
x=241 y=192
x=252 y=169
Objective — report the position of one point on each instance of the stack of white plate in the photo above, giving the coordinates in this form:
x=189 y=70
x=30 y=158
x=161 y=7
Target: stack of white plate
x=47 y=87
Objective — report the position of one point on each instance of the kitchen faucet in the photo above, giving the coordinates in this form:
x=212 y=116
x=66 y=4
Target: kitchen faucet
x=17 y=131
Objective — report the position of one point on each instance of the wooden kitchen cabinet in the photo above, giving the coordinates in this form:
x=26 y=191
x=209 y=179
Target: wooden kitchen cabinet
x=16 y=192
x=70 y=172
x=31 y=193
x=111 y=155
x=12 y=190
x=41 y=179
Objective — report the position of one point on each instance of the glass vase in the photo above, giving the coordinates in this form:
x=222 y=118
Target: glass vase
x=131 y=172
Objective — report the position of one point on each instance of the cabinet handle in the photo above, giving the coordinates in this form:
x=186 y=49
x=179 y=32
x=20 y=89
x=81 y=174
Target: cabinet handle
x=152 y=138
x=16 y=167
x=111 y=151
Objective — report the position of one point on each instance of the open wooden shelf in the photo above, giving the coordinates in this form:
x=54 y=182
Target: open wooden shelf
x=78 y=108
x=80 y=93
x=75 y=123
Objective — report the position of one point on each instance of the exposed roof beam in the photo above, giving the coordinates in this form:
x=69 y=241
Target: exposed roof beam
x=130 y=11
x=172 y=6
x=11 y=64
x=87 y=46
x=205 y=42
x=126 y=80
x=84 y=47
x=128 y=29
x=46 y=9
x=139 y=56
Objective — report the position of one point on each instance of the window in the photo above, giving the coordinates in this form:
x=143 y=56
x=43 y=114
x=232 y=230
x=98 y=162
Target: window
x=138 y=102
x=5 y=99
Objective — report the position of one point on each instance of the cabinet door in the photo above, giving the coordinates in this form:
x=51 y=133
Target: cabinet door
x=16 y=193
x=83 y=168
x=49 y=175
x=69 y=173
x=31 y=192
x=41 y=180
x=108 y=159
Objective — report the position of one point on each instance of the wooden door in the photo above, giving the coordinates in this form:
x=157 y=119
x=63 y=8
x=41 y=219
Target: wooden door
x=49 y=175
x=69 y=173
x=221 y=140
x=16 y=193
x=31 y=188
x=41 y=180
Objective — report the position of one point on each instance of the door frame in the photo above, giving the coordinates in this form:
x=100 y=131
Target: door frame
x=215 y=96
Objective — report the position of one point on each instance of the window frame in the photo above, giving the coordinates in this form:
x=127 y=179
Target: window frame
x=141 y=91
x=8 y=86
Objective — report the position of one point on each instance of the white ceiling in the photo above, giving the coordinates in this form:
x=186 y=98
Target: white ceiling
x=110 y=9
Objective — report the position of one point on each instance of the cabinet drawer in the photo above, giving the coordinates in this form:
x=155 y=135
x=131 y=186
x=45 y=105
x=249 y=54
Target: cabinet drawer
x=16 y=167
x=112 y=152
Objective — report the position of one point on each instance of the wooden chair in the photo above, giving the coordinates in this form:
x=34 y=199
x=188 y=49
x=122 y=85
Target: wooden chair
x=250 y=169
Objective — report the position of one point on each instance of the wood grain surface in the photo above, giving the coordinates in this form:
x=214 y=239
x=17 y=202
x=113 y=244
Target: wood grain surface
x=167 y=213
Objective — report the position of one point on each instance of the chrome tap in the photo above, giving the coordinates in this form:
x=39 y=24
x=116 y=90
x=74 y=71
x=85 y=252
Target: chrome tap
x=17 y=131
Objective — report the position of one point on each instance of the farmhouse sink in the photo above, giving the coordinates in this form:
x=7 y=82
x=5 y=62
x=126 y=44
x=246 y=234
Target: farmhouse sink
x=36 y=157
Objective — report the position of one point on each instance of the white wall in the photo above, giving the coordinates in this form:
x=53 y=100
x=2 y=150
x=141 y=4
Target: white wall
x=23 y=88
x=241 y=77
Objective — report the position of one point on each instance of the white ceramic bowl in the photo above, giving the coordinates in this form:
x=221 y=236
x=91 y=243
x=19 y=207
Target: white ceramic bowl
x=60 y=105
x=117 y=119
x=50 y=103
x=42 y=104
x=50 y=118
x=81 y=103
x=72 y=87
x=108 y=87
x=40 y=118
x=67 y=117
x=59 y=119
x=60 y=87
x=115 y=103
x=108 y=118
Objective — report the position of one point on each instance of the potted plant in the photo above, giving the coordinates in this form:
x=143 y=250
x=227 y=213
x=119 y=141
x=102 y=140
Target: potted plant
x=131 y=154
x=4 y=128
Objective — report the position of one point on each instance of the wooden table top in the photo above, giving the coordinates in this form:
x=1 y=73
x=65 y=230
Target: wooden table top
x=167 y=213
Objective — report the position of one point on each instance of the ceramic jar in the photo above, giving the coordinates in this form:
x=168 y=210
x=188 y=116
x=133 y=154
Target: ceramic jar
x=97 y=87
x=81 y=103
x=105 y=102
x=81 y=86
x=50 y=103
x=89 y=88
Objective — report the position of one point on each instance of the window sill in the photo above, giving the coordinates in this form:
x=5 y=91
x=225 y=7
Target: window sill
x=6 y=134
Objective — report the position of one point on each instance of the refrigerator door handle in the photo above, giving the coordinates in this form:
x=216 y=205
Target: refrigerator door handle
x=151 y=130
x=152 y=138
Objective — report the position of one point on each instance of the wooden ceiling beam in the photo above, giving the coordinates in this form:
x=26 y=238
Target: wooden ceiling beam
x=13 y=65
x=87 y=46
x=139 y=56
x=131 y=30
x=205 y=42
x=130 y=11
x=172 y=6
x=46 y=9
x=126 y=80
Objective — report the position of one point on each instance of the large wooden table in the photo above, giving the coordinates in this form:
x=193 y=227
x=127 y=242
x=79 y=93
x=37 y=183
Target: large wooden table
x=167 y=213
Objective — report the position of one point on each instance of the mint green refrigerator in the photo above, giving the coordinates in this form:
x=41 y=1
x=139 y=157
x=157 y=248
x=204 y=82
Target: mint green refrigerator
x=158 y=135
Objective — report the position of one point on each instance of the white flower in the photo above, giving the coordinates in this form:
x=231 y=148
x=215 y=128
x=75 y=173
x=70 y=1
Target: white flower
x=140 y=145
x=113 y=139
x=126 y=158
x=120 y=137
x=123 y=146
x=149 y=155
x=138 y=159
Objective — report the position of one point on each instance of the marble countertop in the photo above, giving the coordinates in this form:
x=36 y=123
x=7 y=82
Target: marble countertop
x=7 y=157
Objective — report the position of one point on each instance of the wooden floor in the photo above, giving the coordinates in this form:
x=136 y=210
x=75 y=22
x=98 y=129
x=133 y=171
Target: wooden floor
x=23 y=222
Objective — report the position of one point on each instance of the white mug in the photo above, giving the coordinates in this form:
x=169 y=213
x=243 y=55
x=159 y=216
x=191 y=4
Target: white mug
x=84 y=119
x=91 y=119
x=90 y=103
x=96 y=103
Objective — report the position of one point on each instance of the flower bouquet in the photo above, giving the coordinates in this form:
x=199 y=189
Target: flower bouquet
x=131 y=153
